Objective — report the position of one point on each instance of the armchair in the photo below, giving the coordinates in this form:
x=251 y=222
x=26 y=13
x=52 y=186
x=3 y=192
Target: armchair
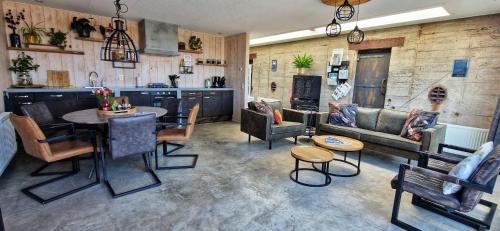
x=426 y=186
x=40 y=113
x=262 y=126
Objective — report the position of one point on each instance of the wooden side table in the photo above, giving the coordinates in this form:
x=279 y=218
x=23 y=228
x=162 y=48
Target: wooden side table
x=354 y=146
x=314 y=155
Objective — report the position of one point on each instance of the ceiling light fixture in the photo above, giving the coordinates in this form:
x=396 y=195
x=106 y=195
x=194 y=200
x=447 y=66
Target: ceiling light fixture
x=334 y=28
x=345 y=11
x=356 y=36
x=377 y=22
x=119 y=47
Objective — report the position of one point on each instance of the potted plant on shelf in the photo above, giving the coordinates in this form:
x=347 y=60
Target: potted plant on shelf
x=22 y=67
x=57 y=38
x=82 y=27
x=12 y=23
x=195 y=43
x=32 y=33
x=302 y=63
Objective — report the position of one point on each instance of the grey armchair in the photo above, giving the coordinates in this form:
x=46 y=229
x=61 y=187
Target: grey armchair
x=425 y=183
x=261 y=126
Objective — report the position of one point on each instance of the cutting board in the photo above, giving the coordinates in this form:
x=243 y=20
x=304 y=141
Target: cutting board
x=57 y=78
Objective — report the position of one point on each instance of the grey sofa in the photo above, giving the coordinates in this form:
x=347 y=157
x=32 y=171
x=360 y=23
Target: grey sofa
x=261 y=126
x=379 y=130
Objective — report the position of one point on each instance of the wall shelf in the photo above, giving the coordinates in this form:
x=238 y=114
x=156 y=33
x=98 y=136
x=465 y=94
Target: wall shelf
x=90 y=39
x=211 y=65
x=192 y=51
x=61 y=51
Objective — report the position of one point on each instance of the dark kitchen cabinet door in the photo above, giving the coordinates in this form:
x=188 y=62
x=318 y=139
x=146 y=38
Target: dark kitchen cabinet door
x=227 y=102
x=212 y=103
x=188 y=103
x=86 y=100
x=59 y=103
x=14 y=101
x=138 y=98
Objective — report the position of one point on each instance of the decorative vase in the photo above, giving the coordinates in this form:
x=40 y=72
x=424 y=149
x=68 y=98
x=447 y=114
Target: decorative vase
x=302 y=71
x=15 y=40
x=104 y=105
x=84 y=33
x=24 y=79
x=31 y=39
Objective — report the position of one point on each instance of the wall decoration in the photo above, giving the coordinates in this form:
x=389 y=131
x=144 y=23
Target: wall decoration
x=82 y=27
x=13 y=22
x=343 y=73
x=195 y=43
x=332 y=79
x=460 y=68
x=274 y=65
x=302 y=63
x=341 y=91
x=336 y=58
x=273 y=86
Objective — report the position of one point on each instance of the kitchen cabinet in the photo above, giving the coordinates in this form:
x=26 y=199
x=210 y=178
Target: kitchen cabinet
x=212 y=103
x=227 y=103
x=59 y=103
x=138 y=98
x=86 y=100
x=189 y=99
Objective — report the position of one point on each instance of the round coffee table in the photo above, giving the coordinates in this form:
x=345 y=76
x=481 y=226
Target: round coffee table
x=314 y=155
x=351 y=146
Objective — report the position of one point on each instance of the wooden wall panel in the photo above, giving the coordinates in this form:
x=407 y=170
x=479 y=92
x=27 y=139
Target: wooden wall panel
x=236 y=52
x=150 y=68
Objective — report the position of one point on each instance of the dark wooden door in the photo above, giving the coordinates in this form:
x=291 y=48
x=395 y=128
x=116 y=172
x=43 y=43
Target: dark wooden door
x=371 y=78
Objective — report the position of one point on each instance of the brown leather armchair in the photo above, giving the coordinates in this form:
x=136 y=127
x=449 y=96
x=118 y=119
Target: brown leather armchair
x=50 y=150
x=175 y=133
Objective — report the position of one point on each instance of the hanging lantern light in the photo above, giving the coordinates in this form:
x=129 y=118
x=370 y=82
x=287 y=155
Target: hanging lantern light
x=345 y=11
x=119 y=47
x=333 y=29
x=356 y=36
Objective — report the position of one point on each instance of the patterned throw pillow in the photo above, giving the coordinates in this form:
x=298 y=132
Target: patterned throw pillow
x=264 y=108
x=416 y=122
x=464 y=169
x=278 y=119
x=343 y=114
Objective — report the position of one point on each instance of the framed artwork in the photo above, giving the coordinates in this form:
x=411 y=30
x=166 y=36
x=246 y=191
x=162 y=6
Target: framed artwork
x=336 y=58
x=274 y=65
x=460 y=68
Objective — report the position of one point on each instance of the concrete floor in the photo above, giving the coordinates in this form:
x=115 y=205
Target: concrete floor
x=235 y=186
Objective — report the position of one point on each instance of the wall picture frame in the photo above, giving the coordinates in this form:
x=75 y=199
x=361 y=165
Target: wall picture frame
x=274 y=65
x=460 y=68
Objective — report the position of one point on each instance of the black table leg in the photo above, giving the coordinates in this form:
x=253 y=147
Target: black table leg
x=344 y=160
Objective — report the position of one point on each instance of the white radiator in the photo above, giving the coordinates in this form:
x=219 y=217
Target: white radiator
x=467 y=137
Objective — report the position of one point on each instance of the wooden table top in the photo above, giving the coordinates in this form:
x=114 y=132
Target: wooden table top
x=312 y=154
x=355 y=145
x=90 y=116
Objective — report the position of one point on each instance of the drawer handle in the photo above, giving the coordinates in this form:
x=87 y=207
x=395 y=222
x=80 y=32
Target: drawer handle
x=144 y=93
x=192 y=93
x=21 y=96
x=192 y=97
x=56 y=96
x=159 y=97
x=26 y=103
x=206 y=97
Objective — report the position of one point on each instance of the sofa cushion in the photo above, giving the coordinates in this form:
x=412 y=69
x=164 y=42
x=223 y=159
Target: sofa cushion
x=367 y=118
x=275 y=105
x=343 y=114
x=391 y=121
x=341 y=131
x=416 y=122
x=391 y=140
x=287 y=127
x=251 y=106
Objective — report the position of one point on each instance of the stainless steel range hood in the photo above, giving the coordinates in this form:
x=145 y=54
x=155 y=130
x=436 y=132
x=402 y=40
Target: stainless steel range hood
x=158 y=38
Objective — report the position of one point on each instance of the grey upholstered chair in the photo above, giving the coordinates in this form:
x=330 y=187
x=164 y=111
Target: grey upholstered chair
x=130 y=136
x=426 y=185
x=494 y=133
x=41 y=114
x=261 y=126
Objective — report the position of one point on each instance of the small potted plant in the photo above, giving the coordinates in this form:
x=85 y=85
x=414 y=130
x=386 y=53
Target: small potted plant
x=13 y=23
x=82 y=27
x=32 y=33
x=22 y=67
x=302 y=63
x=57 y=38
x=195 y=43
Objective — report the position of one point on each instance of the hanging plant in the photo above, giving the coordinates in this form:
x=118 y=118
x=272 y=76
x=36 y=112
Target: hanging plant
x=195 y=43
x=82 y=27
x=57 y=38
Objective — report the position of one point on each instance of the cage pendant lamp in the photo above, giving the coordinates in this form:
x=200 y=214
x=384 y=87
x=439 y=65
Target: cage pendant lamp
x=345 y=11
x=356 y=36
x=333 y=29
x=119 y=47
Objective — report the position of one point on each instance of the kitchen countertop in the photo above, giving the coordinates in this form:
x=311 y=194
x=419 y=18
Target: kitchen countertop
x=116 y=90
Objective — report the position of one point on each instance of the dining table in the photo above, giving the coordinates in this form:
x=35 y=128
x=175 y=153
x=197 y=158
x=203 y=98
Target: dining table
x=91 y=120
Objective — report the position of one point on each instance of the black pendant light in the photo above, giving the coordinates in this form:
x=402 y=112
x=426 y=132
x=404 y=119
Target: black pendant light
x=119 y=47
x=345 y=11
x=356 y=36
x=333 y=29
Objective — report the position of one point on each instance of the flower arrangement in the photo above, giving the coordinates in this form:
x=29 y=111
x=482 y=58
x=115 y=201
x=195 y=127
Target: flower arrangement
x=104 y=95
x=13 y=22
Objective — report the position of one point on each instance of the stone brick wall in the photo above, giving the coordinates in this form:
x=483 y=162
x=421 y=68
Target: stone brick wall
x=424 y=61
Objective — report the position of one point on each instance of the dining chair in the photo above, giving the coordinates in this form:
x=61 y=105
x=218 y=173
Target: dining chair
x=41 y=114
x=173 y=116
x=54 y=149
x=177 y=133
x=132 y=136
